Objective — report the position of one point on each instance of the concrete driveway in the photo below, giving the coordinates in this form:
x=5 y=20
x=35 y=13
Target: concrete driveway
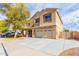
x=2 y=53
x=38 y=47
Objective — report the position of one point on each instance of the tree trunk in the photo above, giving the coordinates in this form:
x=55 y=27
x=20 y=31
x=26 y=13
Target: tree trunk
x=15 y=34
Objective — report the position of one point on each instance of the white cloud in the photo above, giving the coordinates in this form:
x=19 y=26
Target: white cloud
x=40 y=6
x=71 y=20
x=71 y=17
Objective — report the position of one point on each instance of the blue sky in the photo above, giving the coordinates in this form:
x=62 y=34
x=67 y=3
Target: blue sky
x=69 y=12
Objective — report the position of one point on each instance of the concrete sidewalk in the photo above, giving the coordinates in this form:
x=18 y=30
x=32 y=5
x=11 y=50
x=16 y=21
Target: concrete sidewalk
x=39 y=47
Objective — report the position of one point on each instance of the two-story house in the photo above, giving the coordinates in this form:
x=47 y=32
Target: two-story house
x=45 y=24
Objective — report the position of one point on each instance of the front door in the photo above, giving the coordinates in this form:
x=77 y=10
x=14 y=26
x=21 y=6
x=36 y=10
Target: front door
x=29 y=33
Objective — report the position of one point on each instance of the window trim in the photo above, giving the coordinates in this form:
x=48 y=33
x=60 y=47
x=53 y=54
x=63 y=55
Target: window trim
x=47 y=15
x=37 y=22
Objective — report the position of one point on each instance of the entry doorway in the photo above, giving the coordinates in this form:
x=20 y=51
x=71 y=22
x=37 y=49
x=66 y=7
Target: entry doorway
x=29 y=33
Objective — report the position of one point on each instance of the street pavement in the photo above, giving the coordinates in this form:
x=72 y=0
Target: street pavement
x=38 y=46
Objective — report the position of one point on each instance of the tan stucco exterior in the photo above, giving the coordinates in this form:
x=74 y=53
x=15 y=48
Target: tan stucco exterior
x=50 y=29
x=59 y=24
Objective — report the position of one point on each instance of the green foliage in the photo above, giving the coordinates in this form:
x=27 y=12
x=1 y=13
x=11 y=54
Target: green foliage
x=66 y=30
x=3 y=27
x=17 y=15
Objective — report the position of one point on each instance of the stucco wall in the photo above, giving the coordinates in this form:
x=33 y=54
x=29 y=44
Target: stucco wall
x=59 y=25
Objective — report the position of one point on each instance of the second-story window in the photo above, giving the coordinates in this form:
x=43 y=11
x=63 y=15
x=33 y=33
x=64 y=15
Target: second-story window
x=47 y=17
x=37 y=22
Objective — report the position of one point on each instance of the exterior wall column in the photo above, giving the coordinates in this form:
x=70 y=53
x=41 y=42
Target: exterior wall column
x=26 y=33
x=33 y=33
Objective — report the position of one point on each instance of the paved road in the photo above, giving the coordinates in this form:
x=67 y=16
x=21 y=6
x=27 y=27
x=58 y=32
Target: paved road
x=38 y=47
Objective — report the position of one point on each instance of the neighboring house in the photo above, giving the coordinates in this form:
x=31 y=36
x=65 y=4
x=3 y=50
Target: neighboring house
x=45 y=24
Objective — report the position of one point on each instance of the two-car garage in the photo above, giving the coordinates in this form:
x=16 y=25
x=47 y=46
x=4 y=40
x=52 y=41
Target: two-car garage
x=44 y=33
